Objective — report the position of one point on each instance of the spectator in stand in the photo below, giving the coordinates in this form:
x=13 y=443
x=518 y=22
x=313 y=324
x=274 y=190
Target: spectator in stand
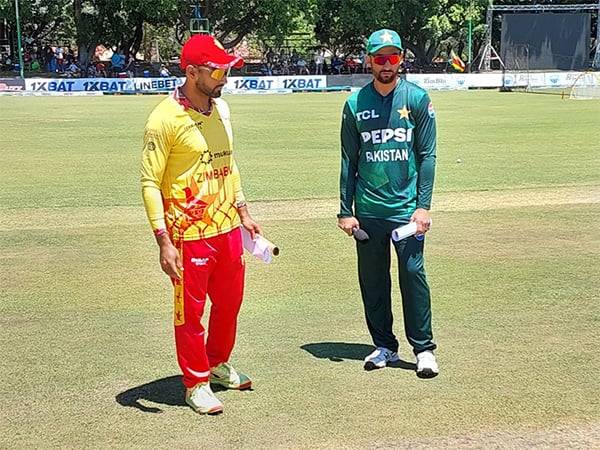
x=91 y=71
x=363 y=62
x=270 y=59
x=73 y=70
x=276 y=67
x=117 y=61
x=327 y=62
x=3 y=62
x=319 y=60
x=100 y=69
x=48 y=56
x=60 y=59
x=69 y=57
x=285 y=65
x=53 y=67
x=301 y=66
x=353 y=65
x=130 y=66
x=336 y=64
x=32 y=53
x=264 y=68
x=27 y=59
x=164 y=72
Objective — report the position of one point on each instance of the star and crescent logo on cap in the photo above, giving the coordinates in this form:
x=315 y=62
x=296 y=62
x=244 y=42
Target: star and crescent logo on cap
x=386 y=37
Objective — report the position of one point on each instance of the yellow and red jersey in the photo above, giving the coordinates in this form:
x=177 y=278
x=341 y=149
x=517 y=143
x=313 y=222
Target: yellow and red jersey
x=190 y=182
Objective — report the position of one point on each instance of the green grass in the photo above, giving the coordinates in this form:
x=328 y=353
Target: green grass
x=288 y=146
x=86 y=323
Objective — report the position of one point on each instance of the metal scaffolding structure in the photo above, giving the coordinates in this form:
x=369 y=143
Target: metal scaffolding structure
x=198 y=23
x=489 y=53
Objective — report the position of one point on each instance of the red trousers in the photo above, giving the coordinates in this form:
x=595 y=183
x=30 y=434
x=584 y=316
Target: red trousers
x=213 y=266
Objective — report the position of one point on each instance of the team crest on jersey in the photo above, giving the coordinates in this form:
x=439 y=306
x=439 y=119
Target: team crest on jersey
x=430 y=110
x=151 y=146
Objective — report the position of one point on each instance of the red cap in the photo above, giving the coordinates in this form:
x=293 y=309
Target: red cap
x=205 y=50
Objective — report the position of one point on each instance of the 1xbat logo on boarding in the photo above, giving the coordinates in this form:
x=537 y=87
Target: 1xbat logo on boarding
x=302 y=83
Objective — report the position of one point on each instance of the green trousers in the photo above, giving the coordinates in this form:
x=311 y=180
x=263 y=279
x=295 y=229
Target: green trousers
x=375 y=285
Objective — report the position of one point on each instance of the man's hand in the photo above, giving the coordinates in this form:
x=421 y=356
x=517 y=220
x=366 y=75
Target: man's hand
x=347 y=224
x=248 y=222
x=170 y=262
x=253 y=228
x=422 y=219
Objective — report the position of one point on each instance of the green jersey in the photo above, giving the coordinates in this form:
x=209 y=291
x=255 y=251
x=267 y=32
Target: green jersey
x=388 y=153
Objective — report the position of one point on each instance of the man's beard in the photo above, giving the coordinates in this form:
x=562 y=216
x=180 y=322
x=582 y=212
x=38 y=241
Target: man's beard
x=388 y=78
x=214 y=93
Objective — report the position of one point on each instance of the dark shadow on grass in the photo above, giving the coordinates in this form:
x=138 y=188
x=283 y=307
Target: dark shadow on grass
x=339 y=351
x=166 y=391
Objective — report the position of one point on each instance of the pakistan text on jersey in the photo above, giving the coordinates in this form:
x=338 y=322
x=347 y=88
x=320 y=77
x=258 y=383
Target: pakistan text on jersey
x=394 y=154
x=215 y=174
x=386 y=134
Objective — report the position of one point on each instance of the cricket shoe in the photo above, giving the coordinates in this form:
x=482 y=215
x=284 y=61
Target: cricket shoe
x=202 y=399
x=225 y=375
x=427 y=366
x=380 y=358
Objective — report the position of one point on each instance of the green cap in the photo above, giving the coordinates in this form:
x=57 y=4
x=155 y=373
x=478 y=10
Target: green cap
x=383 y=38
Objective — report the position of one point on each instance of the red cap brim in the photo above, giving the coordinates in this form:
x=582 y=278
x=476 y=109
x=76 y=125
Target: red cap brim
x=226 y=63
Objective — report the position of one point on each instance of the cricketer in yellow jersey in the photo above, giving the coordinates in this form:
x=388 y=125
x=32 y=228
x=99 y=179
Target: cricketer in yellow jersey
x=195 y=204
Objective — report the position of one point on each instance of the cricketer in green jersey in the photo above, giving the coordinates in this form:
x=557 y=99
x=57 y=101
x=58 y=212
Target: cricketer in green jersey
x=388 y=139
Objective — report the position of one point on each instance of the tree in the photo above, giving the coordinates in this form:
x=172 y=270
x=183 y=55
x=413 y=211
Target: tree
x=423 y=24
x=119 y=22
x=41 y=20
x=232 y=20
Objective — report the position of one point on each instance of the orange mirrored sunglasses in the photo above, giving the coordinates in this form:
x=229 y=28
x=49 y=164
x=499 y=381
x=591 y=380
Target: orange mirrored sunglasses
x=216 y=74
x=219 y=74
x=380 y=60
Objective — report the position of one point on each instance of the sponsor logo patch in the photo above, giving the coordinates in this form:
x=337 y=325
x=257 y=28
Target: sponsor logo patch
x=366 y=115
x=387 y=134
x=207 y=157
x=199 y=261
x=430 y=110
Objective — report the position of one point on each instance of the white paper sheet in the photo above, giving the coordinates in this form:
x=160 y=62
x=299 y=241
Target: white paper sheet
x=405 y=231
x=260 y=247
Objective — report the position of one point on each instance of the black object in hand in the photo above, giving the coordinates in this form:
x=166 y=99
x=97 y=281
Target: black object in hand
x=359 y=234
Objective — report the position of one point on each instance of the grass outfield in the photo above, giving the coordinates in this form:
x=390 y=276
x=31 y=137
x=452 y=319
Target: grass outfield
x=513 y=259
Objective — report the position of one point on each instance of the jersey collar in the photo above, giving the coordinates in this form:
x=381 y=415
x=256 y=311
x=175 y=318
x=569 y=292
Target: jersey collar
x=180 y=98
